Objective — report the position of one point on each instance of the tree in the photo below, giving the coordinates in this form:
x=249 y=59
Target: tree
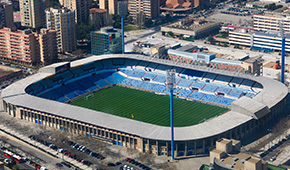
x=148 y=22
x=15 y=167
x=170 y=33
x=211 y=40
x=130 y=19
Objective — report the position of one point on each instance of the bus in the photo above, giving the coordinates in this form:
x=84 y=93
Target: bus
x=13 y=156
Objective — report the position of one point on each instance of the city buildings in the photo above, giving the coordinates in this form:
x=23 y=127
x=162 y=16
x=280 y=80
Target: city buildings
x=107 y=40
x=271 y=22
x=99 y=17
x=150 y=8
x=6 y=14
x=46 y=46
x=62 y=20
x=31 y=12
x=26 y=47
x=81 y=8
x=115 y=6
x=268 y=41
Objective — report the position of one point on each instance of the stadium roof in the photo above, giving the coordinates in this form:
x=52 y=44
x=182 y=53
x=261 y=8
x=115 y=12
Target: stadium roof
x=272 y=93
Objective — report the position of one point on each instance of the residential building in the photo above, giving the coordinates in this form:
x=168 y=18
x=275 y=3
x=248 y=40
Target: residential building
x=271 y=22
x=62 y=20
x=27 y=47
x=99 y=17
x=81 y=8
x=18 y=46
x=31 y=12
x=110 y=5
x=150 y=8
x=6 y=14
x=107 y=40
x=46 y=46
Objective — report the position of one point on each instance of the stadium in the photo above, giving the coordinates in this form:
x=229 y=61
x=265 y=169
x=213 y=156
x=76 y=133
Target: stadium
x=122 y=99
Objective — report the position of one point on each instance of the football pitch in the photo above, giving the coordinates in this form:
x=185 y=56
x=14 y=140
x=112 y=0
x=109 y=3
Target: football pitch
x=147 y=107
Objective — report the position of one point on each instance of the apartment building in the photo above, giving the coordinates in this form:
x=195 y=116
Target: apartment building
x=31 y=12
x=27 y=47
x=62 y=20
x=99 y=17
x=149 y=7
x=46 y=47
x=81 y=8
x=107 y=40
x=271 y=22
x=6 y=14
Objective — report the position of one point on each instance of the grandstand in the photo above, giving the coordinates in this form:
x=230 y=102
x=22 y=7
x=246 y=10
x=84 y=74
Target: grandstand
x=253 y=102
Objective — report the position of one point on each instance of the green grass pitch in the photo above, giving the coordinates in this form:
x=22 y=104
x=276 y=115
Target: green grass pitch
x=148 y=107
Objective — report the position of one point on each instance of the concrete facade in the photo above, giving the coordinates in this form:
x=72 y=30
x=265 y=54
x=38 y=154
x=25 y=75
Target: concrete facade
x=6 y=14
x=31 y=12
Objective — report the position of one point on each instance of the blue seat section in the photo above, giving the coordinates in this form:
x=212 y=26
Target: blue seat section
x=224 y=89
x=147 y=85
x=248 y=94
x=107 y=63
x=175 y=91
x=62 y=99
x=236 y=92
x=184 y=92
x=196 y=95
x=258 y=85
x=149 y=75
x=78 y=71
x=210 y=87
x=87 y=84
x=159 y=87
x=51 y=94
x=198 y=84
x=209 y=98
x=34 y=88
x=237 y=81
x=108 y=77
x=160 y=78
x=223 y=78
x=75 y=86
x=127 y=81
x=184 y=83
x=224 y=101
x=88 y=67
x=98 y=80
x=66 y=92
x=194 y=73
x=136 y=83
x=118 y=78
x=134 y=73
x=98 y=65
x=247 y=82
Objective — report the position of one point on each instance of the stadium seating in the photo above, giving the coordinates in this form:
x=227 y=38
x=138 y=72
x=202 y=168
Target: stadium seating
x=184 y=92
x=75 y=86
x=237 y=81
x=224 y=101
x=134 y=73
x=209 y=97
x=236 y=92
x=149 y=75
x=78 y=71
x=88 y=85
x=198 y=84
x=247 y=83
x=196 y=95
x=159 y=88
x=224 y=89
x=129 y=62
x=184 y=83
x=135 y=83
x=117 y=77
x=88 y=67
x=98 y=81
x=160 y=78
x=223 y=78
x=107 y=63
x=210 y=87
x=193 y=73
x=66 y=92
x=51 y=94
x=107 y=76
x=147 y=85
x=126 y=81
x=98 y=65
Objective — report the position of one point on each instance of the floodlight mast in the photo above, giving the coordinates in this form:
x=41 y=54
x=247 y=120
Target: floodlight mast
x=171 y=83
x=282 y=52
